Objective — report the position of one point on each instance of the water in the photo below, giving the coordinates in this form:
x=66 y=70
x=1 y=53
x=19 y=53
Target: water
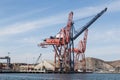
x=22 y=76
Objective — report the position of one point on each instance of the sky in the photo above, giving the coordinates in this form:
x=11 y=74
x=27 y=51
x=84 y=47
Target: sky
x=26 y=23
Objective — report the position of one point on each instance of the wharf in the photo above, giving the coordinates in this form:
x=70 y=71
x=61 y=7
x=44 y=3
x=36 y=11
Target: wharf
x=45 y=72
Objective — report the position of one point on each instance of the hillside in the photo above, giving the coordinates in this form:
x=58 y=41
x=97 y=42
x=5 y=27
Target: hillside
x=98 y=65
x=114 y=63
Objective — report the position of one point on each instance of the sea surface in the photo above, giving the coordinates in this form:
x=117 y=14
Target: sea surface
x=93 y=76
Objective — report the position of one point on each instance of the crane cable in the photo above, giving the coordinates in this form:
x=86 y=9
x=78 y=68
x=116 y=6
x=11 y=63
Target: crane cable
x=106 y=4
x=84 y=18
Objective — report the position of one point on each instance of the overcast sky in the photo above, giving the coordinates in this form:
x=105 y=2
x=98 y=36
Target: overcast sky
x=25 y=23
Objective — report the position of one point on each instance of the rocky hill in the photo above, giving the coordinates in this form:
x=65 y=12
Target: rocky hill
x=98 y=65
x=114 y=63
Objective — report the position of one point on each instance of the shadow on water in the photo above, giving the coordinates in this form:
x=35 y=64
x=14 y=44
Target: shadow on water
x=72 y=76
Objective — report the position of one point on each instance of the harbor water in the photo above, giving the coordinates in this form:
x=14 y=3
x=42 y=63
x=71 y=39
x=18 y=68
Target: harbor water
x=23 y=76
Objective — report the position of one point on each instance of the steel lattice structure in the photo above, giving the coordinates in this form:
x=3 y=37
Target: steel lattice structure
x=63 y=43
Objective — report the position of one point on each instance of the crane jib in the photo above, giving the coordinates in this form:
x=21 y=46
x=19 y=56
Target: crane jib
x=89 y=23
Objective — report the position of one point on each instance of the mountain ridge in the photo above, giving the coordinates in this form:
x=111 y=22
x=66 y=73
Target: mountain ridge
x=99 y=65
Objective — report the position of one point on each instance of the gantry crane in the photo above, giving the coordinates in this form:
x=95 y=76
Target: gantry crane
x=80 y=53
x=8 y=61
x=63 y=44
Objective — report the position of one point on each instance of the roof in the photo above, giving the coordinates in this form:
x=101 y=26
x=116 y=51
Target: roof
x=49 y=65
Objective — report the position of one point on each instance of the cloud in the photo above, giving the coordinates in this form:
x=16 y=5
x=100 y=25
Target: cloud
x=25 y=14
x=105 y=36
x=105 y=52
x=3 y=52
x=114 y=6
x=27 y=58
x=20 y=27
x=27 y=26
x=92 y=10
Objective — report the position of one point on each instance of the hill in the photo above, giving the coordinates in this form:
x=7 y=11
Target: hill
x=98 y=65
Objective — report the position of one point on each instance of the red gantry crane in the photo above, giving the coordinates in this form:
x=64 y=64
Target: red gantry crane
x=63 y=44
x=80 y=53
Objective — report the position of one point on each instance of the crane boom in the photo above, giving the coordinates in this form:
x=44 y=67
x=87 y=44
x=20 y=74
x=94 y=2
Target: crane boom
x=89 y=23
x=38 y=58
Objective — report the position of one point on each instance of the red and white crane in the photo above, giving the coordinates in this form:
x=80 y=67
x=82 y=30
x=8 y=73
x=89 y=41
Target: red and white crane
x=63 y=44
x=80 y=53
